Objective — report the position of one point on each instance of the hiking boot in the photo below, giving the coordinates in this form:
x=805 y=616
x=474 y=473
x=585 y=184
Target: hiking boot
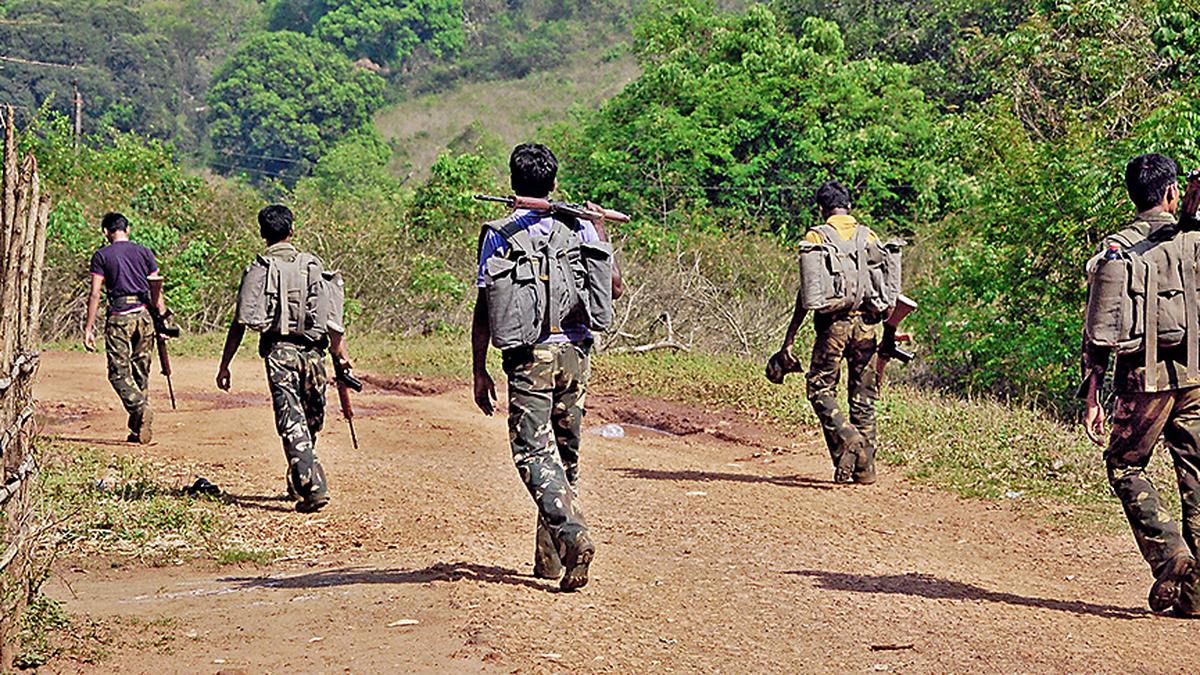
x=1188 y=604
x=1178 y=571
x=131 y=438
x=312 y=503
x=864 y=466
x=576 y=561
x=546 y=563
x=145 y=430
x=843 y=470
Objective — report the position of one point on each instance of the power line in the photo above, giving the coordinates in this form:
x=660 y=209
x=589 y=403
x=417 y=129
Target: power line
x=46 y=64
x=294 y=160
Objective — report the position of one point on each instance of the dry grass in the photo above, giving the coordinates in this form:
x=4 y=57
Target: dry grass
x=507 y=112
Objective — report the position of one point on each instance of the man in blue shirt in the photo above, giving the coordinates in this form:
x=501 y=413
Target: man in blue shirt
x=547 y=384
x=126 y=270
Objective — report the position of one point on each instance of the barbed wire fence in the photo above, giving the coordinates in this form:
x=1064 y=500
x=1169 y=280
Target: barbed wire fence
x=24 y=211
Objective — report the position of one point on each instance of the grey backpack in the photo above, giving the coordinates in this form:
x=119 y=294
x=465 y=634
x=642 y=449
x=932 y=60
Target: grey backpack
x=293 y=296
x=841 y=275
x=542 y=282
x=1143 y=296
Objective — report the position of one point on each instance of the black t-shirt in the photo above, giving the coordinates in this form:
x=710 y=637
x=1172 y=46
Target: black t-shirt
x=125 y=267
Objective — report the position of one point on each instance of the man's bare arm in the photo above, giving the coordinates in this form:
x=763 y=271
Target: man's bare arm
x=233 y=340
x=93 y=308
x=798 y=315
x=481 y=335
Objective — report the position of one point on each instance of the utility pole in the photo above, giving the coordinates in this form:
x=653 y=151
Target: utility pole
x=78 y=112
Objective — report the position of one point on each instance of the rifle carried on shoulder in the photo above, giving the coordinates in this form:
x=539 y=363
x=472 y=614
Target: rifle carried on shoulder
x=345 y=382
x=556 y=208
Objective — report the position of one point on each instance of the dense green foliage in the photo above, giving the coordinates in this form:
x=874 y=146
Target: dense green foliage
x=140 y=66
x=734 y=114
x=281 y=101
x=384 y=31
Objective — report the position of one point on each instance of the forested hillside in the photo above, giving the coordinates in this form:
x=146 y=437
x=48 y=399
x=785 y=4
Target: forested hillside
x=990 y=133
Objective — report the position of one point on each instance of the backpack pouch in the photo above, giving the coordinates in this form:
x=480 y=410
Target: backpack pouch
x=513 y=308
x=598 y=271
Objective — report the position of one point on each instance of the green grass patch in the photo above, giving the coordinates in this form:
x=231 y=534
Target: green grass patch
x=43 y=619
x=235 y=555
x=122 y=505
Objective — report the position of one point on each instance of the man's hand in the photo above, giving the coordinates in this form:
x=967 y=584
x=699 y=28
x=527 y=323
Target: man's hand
x=788 y=360
x=485 y=393
x=1093 y=422
x=1191 y=198
x=89 y=339
x=595 y=208
x=223 y=378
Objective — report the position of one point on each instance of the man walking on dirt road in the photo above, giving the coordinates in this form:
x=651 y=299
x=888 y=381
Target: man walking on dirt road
x=1157 y=386
x=129 y=273
x=296 y=305
x=848 y=336
x=529 y=307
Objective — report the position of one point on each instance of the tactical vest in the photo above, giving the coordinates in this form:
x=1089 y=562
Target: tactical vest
x=1146 y=298
x=541 y=283
x=840 y=275
x=291 y=295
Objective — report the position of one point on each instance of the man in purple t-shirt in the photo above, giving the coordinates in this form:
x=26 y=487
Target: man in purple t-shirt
x=127 y=271
x=547 y=385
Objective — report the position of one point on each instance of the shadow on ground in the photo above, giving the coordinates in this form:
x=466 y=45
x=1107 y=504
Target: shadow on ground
x=796 y=481
x=928 y=586
x=353 y=576
x=260 y=502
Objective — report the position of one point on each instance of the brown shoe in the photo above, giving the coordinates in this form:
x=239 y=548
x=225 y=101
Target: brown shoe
x=145 y=432
x=312 y=503
x=546 y=564
x=1164 y=594
x=576 y=561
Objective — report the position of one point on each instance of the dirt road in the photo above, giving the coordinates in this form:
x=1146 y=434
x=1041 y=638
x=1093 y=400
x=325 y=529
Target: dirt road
x=710 y=558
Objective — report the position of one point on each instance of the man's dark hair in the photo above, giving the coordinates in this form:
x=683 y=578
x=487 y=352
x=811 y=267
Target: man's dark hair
x=533 y=168
x=1147 y=178
x=275 y=223
x=114 y=222
x=832 y=195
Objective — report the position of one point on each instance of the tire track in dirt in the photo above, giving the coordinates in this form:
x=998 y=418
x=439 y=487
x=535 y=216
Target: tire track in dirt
x=713 y=555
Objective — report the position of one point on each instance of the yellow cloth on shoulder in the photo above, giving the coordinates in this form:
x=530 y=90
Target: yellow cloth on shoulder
x=845 y=226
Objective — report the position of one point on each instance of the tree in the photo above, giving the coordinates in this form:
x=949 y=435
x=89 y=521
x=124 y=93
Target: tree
x=734 y=113
x=384 y=31
x=282 y=100
x=122 y=70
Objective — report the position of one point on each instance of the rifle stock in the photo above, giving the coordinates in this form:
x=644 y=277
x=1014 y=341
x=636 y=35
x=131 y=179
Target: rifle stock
x=557 y=208
x=889 y=348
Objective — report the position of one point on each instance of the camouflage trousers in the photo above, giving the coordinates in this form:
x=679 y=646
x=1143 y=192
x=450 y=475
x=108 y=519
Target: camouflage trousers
x=547 y=389
x=127 y=343
x=851 y=442
x=1138 y=421
x=297 y=379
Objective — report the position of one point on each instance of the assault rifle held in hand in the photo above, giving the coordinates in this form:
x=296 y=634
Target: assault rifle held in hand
x=890 y=348
x=163 y=330
x=345 y=382
x=557 y=208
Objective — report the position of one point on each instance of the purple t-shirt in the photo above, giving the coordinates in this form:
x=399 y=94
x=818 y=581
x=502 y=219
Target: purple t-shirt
x=125 y=267
x=538 y=224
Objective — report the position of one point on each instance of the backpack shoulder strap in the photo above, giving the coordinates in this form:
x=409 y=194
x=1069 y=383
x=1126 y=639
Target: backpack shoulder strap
x=830 y=235
x=514 y=233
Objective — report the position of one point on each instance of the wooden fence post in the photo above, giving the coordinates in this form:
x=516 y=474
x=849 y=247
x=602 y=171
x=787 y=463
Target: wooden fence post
x=24 y=212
